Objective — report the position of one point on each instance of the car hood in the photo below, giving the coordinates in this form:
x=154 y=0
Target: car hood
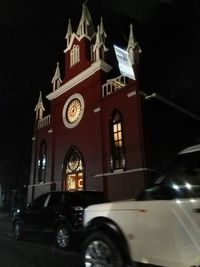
x=115 y=205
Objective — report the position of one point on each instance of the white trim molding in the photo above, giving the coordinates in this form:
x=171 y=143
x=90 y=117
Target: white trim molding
x=133 y=93
x=97 y=110
x=41 y=183
x=98 y=65
x=121 y=171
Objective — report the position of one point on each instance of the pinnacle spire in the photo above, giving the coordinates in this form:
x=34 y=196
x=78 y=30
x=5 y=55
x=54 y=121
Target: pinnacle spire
x=100 y=48
x=98 y=37
x=131 y=42
x=85 y=25
x=39 y=108
x=56 y=81
x=133 y=47
x=102 y=30
x=69 y=32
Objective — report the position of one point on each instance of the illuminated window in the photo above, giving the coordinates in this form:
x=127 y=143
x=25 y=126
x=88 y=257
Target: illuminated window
x=73 y=171
x=42 y=162
x=117 y=149
x=74 y=55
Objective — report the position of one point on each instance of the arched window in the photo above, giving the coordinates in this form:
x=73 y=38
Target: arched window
x=74 y=55
x=117 y=146
x=73 y=171
x=42 y=162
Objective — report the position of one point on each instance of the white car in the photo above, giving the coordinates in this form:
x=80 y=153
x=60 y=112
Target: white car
x=160 y=228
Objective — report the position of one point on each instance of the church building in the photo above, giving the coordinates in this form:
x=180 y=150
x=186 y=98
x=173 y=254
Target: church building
x=93 y=138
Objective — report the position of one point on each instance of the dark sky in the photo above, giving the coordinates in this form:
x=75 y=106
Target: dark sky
x=33 y=40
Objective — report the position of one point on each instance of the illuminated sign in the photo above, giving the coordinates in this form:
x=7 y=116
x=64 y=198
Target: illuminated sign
x=124 y=62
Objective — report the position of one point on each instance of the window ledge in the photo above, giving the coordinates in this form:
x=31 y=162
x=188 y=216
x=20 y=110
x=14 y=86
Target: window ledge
x=118 y=170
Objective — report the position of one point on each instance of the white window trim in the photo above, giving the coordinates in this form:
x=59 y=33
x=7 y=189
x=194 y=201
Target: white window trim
x=74 y=55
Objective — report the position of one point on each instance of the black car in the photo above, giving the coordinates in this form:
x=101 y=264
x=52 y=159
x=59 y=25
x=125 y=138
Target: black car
x=58 y=214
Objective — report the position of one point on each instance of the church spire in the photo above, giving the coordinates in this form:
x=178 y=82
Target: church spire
x=56 y=81
x=85 y=26
x=39 y=108
x=69 y=32
x=133 y=48
x=99 y=48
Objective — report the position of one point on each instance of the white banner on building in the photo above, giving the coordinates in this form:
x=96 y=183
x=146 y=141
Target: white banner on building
x=124 y=62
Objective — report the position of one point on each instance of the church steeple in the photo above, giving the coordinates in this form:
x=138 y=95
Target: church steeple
x=84 y=47
x=69 y=32
x=85 y=27
x=39 y=108
x=56 y=81
x=133 y=48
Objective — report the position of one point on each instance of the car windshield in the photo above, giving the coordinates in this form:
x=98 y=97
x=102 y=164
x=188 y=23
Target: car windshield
x=181 y=180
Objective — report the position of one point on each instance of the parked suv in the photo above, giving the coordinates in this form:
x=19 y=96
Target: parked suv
x=55 y=213
x=160 y=228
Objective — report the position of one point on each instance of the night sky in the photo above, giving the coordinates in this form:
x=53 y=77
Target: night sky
x=33 y=40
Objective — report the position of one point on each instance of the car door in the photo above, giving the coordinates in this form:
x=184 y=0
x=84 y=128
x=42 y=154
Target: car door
x=34 y=215
x=51 y=211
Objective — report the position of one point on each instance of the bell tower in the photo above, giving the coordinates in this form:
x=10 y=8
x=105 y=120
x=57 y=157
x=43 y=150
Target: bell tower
x=78 y=49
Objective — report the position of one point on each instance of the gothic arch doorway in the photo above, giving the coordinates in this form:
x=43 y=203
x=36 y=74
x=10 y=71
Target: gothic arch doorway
x=73 y=171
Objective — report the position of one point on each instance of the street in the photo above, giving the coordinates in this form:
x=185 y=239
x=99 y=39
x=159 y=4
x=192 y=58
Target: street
x=33 y=253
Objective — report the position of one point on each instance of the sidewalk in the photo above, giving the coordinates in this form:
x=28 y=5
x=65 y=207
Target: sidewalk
x=5 y=223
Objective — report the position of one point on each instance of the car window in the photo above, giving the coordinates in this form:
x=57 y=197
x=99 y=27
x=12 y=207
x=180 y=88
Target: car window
x=59 y=198
x=39 y=202
x=182 y=180
x=54 y=200
x=185 y=170
x=88 y=197
x=94 y=197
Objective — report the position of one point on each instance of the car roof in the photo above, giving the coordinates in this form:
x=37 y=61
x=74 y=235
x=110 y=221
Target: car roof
x=82 y=193
x=77 y=192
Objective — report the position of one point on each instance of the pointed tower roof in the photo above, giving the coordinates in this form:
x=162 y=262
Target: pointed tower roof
x=100 y=36
x=99 y=40
x=99 y=47
x=56 y=78
x=133 y=46
x=57 y=73
x=69 y=32
x=85 y=26
x=131 y=42
x=102 y=30
x=39 y=108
